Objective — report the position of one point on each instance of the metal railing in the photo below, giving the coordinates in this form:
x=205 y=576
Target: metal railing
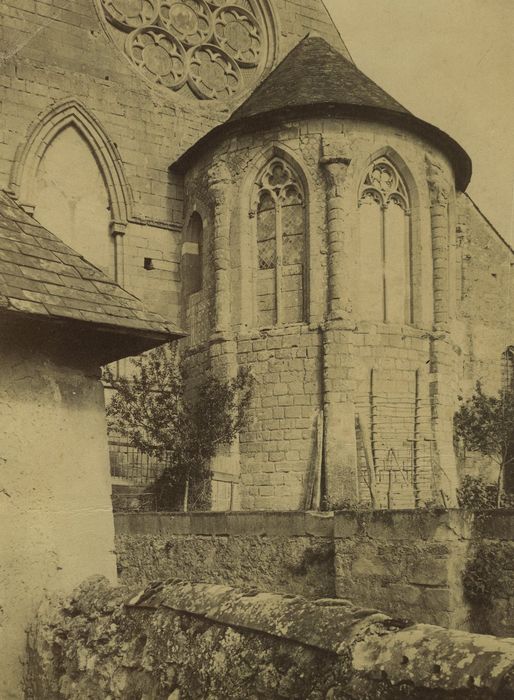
x=130 y=464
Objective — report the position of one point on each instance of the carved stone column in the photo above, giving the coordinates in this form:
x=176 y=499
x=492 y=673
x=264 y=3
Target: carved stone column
x=439 y=189
x=225 y=466
x=220 y=186
x=340 y=260
x=443 y=385
x=340 y=447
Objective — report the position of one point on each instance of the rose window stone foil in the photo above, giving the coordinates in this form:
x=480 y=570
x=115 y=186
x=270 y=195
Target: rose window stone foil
x=211 y=50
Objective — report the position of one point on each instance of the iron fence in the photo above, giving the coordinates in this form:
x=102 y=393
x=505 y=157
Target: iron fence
x=130 y=464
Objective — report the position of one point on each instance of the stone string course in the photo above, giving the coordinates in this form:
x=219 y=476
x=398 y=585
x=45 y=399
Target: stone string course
x=210 y=642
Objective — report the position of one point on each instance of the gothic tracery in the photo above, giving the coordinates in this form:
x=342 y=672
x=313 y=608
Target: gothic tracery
x=385 y=243
x=384 y=184
x=280 y=244
x=212 y=49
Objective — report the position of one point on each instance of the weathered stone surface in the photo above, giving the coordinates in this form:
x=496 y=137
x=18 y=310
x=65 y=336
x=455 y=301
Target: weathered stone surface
x=301 y=565
x=409 y=564
x=209 y=642
x=55 y=519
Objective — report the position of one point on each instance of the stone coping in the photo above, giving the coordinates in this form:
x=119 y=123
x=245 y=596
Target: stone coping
x=434 y=525
x=260 y=523
x=423 y=655
x=372 y=655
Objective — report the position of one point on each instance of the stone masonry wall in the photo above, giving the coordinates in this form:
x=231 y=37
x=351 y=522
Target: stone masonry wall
x=206 y=642
x=485 y=321
x=484 y=282
x=438 y=567
x=386 y=375
x=278 y=447
x=407 y=563
x=282 y=552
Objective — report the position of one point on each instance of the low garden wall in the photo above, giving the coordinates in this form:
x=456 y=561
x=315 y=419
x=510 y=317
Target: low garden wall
x=178 y=641
x=408 y=563
x=282 y=552
x=440 y=567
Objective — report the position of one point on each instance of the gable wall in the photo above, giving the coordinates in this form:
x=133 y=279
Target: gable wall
x=484 y=283
x=54 y=51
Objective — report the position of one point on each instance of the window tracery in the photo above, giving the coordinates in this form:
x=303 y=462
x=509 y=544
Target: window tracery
x=211 y=49
x=385 y=238
x=280 y=234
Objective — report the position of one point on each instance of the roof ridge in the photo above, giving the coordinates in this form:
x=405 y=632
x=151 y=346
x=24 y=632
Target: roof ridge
x=316 y=56
x=265 y=77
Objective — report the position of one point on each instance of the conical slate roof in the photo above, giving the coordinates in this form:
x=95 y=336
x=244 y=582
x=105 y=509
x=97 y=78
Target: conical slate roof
x=43 y=280
x=315 y=73
x=316 y=80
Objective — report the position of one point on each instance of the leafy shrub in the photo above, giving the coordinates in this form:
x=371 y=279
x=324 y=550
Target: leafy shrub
x=485 y=424
x=160 y=418
x=485 y=577
x=477 y=494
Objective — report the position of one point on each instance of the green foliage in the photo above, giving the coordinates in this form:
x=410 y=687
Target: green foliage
x=328 y=505
x=485 y=424
x=477 y=494
x=154 y=411
x=485 y=575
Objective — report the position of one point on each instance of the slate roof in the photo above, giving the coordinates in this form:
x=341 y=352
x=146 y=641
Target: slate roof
x=316 y=80
x=315 y=73
x=43 y=277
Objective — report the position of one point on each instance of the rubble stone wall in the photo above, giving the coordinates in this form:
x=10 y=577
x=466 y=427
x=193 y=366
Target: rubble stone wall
x=178 y=640
x=282 y=552
x=408 y=563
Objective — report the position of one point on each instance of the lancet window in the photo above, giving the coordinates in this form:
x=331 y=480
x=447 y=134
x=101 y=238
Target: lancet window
x=508 y=369
x=385 y=274
x=280 y=238
x=192 y=254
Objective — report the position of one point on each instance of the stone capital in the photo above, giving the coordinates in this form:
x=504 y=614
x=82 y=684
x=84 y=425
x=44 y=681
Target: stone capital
x=335 y=160
x=438 y=185
x=117 y=228
x=335 y=171
x=220 y=182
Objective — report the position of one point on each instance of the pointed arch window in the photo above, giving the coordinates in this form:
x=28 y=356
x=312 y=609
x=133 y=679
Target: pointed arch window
x=192 y=255
x=385 y=245
x=280 y=241
x=508 y=369
x=70 y=198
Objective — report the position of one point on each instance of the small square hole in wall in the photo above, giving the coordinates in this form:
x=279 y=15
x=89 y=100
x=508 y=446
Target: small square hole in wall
x=148 y=264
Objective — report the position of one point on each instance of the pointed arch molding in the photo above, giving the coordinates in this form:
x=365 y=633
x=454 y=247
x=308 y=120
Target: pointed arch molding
x=248 y=225
x=43 y=132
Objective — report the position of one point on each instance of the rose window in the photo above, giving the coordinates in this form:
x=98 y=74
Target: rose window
x=210 y=49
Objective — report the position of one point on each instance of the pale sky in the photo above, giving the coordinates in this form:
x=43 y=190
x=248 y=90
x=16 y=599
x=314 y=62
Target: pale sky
x=451 y=63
